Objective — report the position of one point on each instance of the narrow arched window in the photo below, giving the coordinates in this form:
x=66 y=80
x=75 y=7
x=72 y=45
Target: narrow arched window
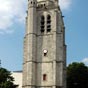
x=31 y=2
x=42 y=23
x=48 y=23
x=48 y=17
x=44 y=77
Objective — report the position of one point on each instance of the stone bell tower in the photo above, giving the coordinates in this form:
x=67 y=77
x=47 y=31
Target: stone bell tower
x=44 y=63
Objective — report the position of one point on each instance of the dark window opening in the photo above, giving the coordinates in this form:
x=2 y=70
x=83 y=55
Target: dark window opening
x=31 y=2
x=44 y=77
x=42 y=23
x=34 y=2
x=42 y=30
x=41 y=5
x=48 y=23
x=48 y=26
x=44 y=4
x=42 y=17
x=48 y=17
x=45 y=54
x=42 y=27
x=48 y=30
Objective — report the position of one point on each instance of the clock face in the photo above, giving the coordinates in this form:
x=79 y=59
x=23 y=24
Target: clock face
x=45 y=51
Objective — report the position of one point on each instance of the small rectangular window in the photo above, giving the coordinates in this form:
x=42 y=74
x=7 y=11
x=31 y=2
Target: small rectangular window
x=44 y=77
x=45 y=54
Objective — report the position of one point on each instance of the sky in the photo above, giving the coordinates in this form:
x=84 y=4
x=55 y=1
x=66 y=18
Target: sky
x=12 y=30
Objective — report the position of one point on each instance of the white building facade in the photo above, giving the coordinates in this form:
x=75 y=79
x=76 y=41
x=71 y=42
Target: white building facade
x=17 y=75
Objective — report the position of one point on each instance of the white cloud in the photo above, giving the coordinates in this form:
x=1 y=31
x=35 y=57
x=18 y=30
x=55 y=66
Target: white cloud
x=12 y=11
x=65 y=4
x=85 y=61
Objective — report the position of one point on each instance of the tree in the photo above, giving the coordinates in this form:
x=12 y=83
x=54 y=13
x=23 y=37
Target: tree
x=6 y=80
x=77 y=75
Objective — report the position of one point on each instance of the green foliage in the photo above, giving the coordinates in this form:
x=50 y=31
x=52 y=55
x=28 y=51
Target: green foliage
x=77 y=75
x=6 y=80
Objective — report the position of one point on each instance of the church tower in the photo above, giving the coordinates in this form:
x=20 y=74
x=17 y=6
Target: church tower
x=44 y=64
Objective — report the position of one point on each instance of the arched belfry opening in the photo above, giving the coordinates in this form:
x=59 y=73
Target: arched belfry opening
x=48 y=23
x=42 y=23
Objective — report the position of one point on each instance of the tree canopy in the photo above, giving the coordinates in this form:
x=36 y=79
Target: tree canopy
x=6 y=80
x=77 y=75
